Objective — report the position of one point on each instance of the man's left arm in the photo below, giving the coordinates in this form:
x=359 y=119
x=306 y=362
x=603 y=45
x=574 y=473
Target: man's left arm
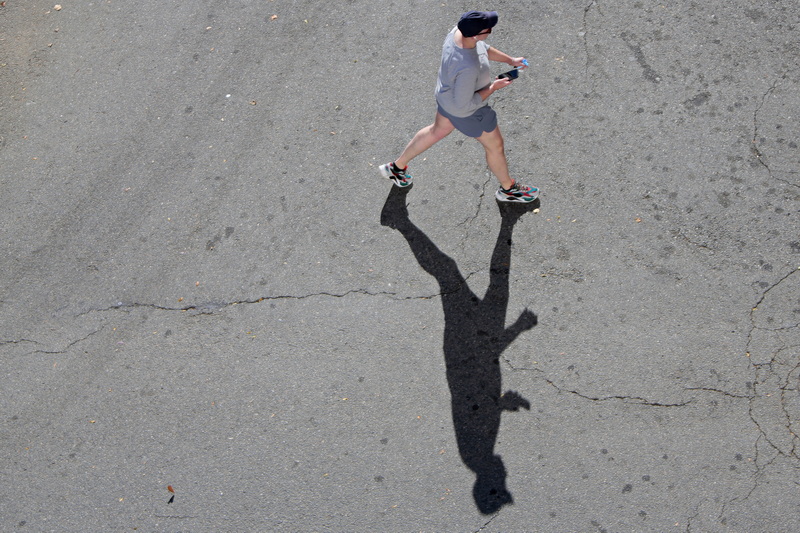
x=496 y=55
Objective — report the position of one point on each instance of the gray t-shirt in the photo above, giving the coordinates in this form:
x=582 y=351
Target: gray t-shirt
x=463 y=72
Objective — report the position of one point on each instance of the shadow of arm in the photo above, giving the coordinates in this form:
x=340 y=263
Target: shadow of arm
x=525 y=321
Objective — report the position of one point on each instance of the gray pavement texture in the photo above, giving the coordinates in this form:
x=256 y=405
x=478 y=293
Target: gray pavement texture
x=206 y=284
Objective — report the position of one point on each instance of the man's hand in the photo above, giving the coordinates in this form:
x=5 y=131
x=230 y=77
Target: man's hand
x=518 y=62
x=500 y=83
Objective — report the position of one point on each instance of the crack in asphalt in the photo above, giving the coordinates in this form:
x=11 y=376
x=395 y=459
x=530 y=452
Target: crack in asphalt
x=471 y=218
x=760 y=156
x=691 y=518
x=763 y=297
x=212 y=307
x=759 y=473
x=625 y=399
x=778 y=448
x=513 y=368
x=756 y=478
x=485 y=525
x=701 y=246
x=769 y=381
x=787 y=424
x=68 y=346
x=718 y=391
x=19 y=341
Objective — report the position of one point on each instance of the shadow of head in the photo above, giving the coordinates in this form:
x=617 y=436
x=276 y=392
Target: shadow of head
x=489 y=491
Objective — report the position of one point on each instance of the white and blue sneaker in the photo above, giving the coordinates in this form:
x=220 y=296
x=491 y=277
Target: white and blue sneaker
x=399 y=176
x=517 y=193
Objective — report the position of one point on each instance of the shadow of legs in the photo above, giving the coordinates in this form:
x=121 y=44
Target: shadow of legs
x=395 y=212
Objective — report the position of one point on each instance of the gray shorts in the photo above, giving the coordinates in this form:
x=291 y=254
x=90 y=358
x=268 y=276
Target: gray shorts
x=482 y=120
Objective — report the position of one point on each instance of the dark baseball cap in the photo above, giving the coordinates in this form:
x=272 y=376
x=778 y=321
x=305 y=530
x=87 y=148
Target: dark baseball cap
x=474 y=22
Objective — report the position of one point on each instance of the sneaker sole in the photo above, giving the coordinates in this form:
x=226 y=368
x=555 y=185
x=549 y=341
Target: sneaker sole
x=515 y=199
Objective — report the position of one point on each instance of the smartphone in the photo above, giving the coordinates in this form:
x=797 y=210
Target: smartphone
x=511 y=74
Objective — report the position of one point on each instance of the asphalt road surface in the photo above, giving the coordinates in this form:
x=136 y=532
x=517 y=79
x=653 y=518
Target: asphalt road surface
x=207 y=286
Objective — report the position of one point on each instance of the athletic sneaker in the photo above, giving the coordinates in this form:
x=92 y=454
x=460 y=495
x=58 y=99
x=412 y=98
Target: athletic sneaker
x=399 y=176
x=517 y=193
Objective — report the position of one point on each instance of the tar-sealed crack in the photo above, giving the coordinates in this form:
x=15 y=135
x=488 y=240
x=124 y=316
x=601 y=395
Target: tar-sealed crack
x=649 y=73
x=584 y=32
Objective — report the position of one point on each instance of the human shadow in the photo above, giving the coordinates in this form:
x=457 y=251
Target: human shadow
x=475 y=335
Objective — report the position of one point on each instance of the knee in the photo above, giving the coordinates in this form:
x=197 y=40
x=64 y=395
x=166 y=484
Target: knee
x=492 y=142
x=499 y=140
x=440 y=133
x=496 y=147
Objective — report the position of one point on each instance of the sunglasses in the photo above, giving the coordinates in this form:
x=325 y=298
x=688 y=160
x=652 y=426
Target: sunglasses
x=487 y=32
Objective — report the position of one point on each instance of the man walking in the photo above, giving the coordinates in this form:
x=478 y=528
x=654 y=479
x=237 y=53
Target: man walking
x=463 y=85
